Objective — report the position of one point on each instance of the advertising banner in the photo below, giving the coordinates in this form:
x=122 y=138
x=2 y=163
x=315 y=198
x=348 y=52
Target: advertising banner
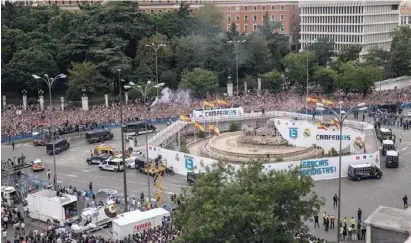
x=217 y=113
x=327 y=136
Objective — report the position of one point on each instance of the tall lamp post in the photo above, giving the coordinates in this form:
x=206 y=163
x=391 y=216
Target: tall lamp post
x=156 y=47
x=145 y=92
x=340 y=118
x=49 y=81
x=122 y=144
x=236 y=43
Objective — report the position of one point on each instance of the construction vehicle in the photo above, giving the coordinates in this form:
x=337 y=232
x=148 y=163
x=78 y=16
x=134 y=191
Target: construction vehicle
x=9 y=195
x=159 y=165
x=93 y=219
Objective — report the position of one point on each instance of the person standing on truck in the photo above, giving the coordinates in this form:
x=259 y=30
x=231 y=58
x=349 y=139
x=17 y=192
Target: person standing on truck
x=405 y=200
x=48 y=174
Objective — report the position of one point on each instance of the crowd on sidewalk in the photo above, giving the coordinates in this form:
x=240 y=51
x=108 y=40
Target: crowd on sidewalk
x=76 y=119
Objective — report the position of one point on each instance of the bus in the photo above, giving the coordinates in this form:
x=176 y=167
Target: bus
x=137 y=128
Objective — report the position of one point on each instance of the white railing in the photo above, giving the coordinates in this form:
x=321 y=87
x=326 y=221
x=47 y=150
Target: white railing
x=252 y=115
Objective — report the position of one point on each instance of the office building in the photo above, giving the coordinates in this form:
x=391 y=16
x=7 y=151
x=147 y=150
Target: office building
x=368 y=23
x=405 y=16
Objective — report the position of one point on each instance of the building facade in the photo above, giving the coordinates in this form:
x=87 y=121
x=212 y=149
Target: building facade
x=405 y=16
x=367 y=23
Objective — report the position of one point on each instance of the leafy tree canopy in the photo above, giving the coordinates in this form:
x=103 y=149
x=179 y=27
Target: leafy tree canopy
x=246 y=205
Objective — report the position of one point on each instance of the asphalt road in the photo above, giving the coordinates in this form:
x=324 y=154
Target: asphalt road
x=72 y=168
x=367 y=194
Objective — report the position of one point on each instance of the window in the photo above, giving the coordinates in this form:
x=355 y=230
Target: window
x=245 y=28
x=69 y=2
x=255 y=27
x=282 y=27
x=282 y=17
x=246 y=18
x=255 y=8
x=273 y=17
x=160 y=11
x=237 y=18
x=144 y=10
x=255 y=18
x=263 y=7
x=282 y=7
x=228 y=18
x=272 y=7
x=246 y=8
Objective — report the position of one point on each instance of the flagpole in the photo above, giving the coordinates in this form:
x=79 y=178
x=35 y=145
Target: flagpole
x=209 y=134
x=195 y=137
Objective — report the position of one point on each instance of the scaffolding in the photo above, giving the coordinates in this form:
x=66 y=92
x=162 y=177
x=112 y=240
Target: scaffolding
x=158 y=183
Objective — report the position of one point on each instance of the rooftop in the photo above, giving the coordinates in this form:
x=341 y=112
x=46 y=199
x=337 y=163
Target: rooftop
x=64 y=198
x=130 y=217
x=393 y=219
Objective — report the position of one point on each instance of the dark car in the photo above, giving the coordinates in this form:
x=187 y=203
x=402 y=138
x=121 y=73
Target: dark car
x=97 y=159
x=99 y=136
x=57 y=146
x=192 y=177
x=364 y=171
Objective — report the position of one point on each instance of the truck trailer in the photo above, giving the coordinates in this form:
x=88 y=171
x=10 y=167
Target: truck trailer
x=136 y=221
x=48 y=206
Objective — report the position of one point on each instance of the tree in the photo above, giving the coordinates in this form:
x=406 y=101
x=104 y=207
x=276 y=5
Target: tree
x=169 y=77
x=246 y=205
x=296 y=65
x=84 y=75
x=324 y=50
x=199 y=81
x=208 y=20
x=325 y=77
x=401 y=51
x=233 y=31
x=355 y=77
x=18 y=72
x=254 y=55
x=351 y=53
x=273 y=81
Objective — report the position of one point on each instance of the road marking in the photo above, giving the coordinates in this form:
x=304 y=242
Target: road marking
x=86 y=171
x=59 y=181
x=404 y=148
x=406 y=153
x=72 y=175
x=80 y=150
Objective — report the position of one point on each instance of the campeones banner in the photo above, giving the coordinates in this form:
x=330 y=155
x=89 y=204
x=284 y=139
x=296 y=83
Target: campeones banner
x=218 y=112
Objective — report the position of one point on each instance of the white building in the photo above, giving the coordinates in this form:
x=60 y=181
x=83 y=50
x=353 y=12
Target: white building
x=405 y=16
x=367 y=23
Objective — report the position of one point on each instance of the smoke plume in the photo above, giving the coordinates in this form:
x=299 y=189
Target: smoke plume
x=173 y=96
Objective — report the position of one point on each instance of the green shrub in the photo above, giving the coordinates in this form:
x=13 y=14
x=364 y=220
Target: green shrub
x=278 y=159
x=332 y=152
x=201 y=134
x=184 y=149
x=233 y=127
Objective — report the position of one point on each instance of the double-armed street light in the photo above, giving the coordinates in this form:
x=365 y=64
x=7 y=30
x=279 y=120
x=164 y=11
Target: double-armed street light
x=341 y=116
x=236 y=43
x=49 y=81
x=145 y=92
x=156 y=47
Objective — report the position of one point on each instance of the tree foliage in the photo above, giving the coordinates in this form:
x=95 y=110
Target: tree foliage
x=200 y=81
x=246 y=205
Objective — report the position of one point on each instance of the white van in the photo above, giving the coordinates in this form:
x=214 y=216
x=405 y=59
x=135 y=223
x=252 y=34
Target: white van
x=135 y=221
x=112 y=164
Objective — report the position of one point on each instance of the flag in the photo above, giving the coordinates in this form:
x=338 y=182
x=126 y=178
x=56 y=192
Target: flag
x=321 y=125
x=214 y=130
x=327 y=102
x=208 y=104
x=185 y=118
x=221 y=102
x=312 y=100
x=336 y=123
x=198 y=126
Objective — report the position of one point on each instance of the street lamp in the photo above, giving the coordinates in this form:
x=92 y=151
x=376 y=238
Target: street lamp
x=340 y=118
x=122 y=143
x=156 y=47
x=236 y=44
x=145 y=91
x=24 y=92
x=49 y=81
x=84 y=92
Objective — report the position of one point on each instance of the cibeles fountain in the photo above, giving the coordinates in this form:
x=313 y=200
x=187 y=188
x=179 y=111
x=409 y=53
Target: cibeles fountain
x=264 y=143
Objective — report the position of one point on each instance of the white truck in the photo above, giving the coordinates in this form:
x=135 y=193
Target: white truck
x=136 y=221
x=9 y=195
x=92 y=219
x=46 y=206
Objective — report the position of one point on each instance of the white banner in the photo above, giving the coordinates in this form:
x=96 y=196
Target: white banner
x=229 y=112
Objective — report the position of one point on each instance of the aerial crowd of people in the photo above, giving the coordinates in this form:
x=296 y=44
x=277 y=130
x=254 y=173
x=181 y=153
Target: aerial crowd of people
x=75 y=119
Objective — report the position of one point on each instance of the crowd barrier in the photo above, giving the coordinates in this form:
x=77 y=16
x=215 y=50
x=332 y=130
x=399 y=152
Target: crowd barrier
x=29 y=135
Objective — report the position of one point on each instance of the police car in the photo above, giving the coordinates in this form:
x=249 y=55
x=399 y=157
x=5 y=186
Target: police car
x=112 y=165
x=97 y=159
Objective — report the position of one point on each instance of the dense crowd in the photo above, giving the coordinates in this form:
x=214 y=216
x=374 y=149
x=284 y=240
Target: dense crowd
x=75 y=119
